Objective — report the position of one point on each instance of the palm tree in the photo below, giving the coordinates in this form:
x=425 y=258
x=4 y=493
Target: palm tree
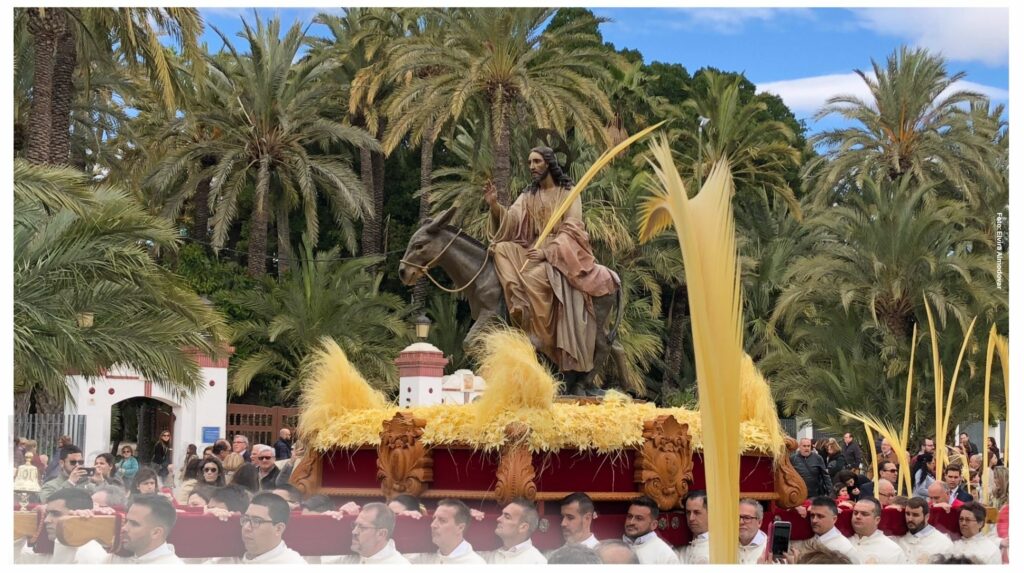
x=321 y=297
x=81 y=251
x=911 y=125
x=874 y=256
x=268 y=108
x=499 y=63
x=130 y=35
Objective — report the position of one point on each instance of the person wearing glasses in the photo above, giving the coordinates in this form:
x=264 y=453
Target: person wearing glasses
x=162 y=453
x=371 y=538
x=870 y=544
x=263 y=525
x=72 y=473
x=240 y=446
x=129 y=464
x=752 y=539
x=886 y=492
x=972 y=543
x=265 y=459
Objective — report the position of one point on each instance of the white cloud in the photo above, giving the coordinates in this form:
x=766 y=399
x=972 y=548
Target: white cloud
x=727 y=21
x=964 y=34
x=805 y=96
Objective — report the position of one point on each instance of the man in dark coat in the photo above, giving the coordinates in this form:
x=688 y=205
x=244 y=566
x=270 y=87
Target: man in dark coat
x=811 y=467
x=283 y=446
x=851 y=451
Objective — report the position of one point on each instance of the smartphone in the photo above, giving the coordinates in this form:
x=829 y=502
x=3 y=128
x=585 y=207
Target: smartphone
x=780 y=538
x=89 y=471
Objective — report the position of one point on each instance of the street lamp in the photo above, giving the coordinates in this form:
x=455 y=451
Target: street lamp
x=422 y=324
x=700 y=150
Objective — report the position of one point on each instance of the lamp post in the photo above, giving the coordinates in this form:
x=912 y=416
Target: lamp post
x=700 y=150
x=422 y=324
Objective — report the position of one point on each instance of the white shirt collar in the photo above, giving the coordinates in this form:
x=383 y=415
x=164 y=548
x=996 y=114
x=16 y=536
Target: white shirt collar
x=702 y=536
x=165 y=549
x=830 y=534
x=925 y=531
x=281 y=548
x=759 y=539
x=873 y=535
x=460 y=550
x=524 y=546
x=387 y=551
x=645 y=538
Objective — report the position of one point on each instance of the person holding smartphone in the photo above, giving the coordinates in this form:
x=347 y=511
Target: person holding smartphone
x=72 y=473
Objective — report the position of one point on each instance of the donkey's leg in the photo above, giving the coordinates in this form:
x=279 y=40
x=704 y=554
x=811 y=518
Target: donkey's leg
x=602 y=307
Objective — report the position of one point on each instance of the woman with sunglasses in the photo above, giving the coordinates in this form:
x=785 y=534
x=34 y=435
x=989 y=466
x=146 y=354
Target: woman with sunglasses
x=162 y=455
x=129 y=464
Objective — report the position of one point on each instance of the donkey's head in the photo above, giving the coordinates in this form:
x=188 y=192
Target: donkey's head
x=425 y=245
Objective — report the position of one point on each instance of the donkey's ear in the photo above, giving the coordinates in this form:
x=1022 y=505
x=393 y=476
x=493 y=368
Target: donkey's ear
x=444 y=217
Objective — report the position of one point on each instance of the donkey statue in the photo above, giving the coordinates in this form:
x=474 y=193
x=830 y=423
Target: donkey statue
x=471 y=269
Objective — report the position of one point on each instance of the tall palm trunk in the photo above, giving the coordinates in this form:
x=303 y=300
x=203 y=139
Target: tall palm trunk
x=378 y=199
x=284 y=245
x=46 y=26
x=419 y=292
x=63 y=93
x=47 y=403
x=257 y=264
x=201 y=204
x=502 y=137
x=22 y=402
x=676 y=337
x=371 y=225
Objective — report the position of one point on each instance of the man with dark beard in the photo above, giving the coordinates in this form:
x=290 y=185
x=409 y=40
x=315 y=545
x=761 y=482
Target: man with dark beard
x=551 y=298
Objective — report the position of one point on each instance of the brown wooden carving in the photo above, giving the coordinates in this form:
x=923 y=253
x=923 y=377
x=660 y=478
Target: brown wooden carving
x=789 y=485
x=404 y=464
x=664 y=464
x=306 y=476
x=515 y=474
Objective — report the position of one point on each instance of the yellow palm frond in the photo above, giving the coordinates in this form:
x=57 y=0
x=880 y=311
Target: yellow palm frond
x=654 y=217
x=905 y=476
x=940 y=438
x=1003 y=347
x=332 y=385
x=952 y=384
x=994 y=341
x=706 y=231
x=889 y=432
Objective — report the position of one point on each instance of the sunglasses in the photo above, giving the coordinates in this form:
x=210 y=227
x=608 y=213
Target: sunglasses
x=210 y=470
x=76 y=462
x=265 y=458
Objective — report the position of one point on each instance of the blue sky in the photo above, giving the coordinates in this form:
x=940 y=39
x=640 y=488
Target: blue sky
x=803 y=55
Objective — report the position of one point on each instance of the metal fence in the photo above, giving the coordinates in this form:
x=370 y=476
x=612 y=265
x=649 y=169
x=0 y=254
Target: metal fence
x=47 y=428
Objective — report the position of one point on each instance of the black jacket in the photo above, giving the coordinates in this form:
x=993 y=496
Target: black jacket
x=283 y=449
x=852 y=454
x=812 y=469
x=269 y=482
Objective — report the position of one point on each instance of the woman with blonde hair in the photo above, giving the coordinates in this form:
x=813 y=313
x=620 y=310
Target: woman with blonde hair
x=232 y=462
x=1000 y=487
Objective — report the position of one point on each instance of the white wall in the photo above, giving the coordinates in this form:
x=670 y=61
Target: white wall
x=208 y=408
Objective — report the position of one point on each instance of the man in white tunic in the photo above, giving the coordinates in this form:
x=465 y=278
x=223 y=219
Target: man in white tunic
x=870 y=544
x=147 y=525
x=922 y=541
x=448 y=533
x=823 y=514
x=697 y=552
x=641 y=523
x=752 y=539
x=972 y=543
x=516 y=524
x=577 y=515
x=371 y=538
x=62 y=503
x=263 y=525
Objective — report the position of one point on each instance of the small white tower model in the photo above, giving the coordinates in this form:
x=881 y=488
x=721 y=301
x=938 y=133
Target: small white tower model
x=420 y=368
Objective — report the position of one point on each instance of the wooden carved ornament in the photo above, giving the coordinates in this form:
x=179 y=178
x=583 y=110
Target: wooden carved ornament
x=306 y=476
x=404 y=464
x=789 y=485
x=664 y=464
x=515 y=474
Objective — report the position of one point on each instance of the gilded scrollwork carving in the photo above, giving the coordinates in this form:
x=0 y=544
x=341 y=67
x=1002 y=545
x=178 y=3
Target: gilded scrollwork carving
x=515 y=475
x=789 y=486
x=404 y=463
x=664 y=464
